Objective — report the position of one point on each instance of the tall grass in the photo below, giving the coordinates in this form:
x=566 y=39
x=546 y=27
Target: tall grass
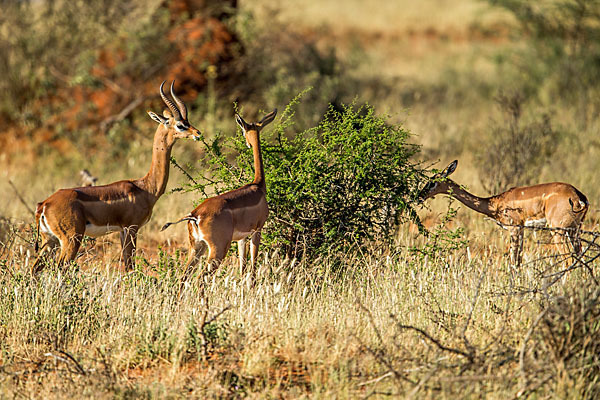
x=304 y=329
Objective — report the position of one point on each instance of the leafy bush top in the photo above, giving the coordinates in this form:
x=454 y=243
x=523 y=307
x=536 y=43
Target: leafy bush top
x=337 y=184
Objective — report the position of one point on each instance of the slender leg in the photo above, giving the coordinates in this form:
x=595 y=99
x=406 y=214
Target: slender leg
x=196 y=250
x=128 y=245
x=576 y=253
x=516 y=245
x=520 y=249
x=217 y=252
x=242 y=254
x=218 y=235
x=72 y=236
x=575 y=240
x=49 y=244
x=254 y=243
x=69 y=249
x=69 y=227
x=559 y=242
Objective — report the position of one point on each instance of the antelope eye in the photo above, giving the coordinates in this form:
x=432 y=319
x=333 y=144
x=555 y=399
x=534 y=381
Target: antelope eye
x=180 y=127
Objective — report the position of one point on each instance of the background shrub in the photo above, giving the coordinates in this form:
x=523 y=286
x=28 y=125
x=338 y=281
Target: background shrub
x=514 y=152
x=561 y=58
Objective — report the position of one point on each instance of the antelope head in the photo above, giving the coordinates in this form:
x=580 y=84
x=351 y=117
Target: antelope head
x=438 y=183
x=174 y=119
x=87 y=179
x=251 y=131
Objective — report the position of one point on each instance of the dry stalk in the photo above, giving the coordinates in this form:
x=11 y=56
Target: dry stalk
x=205 y=322
x=382 y=358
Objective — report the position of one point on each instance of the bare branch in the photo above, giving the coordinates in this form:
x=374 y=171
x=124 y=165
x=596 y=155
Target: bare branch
x=124 y=113
x=10 y=182
x=433 y=340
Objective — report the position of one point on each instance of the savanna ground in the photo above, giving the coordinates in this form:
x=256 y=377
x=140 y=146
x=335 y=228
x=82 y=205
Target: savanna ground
x=435 y=317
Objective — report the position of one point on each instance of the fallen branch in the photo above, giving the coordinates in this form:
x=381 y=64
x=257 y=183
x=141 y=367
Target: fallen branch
x=67 y=359
x=375 y=380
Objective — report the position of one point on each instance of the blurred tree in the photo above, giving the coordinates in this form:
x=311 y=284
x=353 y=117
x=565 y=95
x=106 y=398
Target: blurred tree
x=563 y=56
x=73 y=68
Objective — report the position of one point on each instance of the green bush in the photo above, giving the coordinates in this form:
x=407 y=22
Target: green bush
x=442 y=240
x=348 y=179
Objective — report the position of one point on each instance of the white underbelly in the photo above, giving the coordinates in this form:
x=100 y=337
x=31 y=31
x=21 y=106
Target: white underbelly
x=240 y=235
x=100 y=230
x=536 y=223
x=237 y=235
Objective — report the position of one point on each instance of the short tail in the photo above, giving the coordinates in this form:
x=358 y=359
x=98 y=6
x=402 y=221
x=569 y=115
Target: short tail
x=38 y=213
x=186 y=218
x=580 y=207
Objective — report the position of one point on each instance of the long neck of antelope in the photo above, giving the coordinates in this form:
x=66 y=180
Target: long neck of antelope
x=259 y=171
x=155 y=181
x=479 y=204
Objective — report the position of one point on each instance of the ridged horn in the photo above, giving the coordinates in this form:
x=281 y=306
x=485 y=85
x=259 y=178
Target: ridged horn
x=169 y=103
x=180 y=104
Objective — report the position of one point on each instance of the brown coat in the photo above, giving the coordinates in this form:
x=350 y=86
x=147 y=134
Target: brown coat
x=124 y=206
x=556 y=205
x=236 y=215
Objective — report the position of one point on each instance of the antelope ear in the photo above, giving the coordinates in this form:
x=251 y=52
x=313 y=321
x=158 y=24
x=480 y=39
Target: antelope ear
x=240 y=121
x=267 y=119
x=167 y=114
x=450 y=168
x=157 y=118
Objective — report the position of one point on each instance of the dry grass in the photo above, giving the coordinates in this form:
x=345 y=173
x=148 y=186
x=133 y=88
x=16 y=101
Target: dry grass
x=305 y=329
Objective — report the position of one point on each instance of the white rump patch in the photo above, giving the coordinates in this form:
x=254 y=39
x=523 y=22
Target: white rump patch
x=45 y=227
x=536 y=223
x=100 y=230
x=197 y=233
